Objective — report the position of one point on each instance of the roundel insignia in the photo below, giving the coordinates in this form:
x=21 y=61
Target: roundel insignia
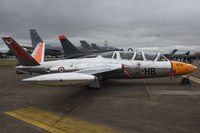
x=61 y=69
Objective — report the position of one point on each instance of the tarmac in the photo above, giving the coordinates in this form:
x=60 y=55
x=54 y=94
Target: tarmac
x=159 y=105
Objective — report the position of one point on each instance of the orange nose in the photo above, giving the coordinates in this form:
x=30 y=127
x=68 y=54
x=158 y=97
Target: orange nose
x=179 y=68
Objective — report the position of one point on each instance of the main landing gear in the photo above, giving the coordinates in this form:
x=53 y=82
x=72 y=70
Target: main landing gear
x=96 y=84
x=19 y=72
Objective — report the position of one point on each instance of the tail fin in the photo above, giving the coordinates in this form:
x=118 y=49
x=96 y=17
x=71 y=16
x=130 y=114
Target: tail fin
x=38 y=53
x=174 y=51
x=35 y=38
x=85 y=45
x=94 y=46
x=22 y=56
x=68 y=47
x=187 y=53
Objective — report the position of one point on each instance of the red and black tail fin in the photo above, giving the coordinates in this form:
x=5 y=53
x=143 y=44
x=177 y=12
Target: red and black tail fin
x=22 y=56
x=68 y=47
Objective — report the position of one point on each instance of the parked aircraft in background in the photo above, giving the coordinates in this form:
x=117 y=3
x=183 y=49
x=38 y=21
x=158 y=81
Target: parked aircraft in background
x=174 y=55
x=67 y=48
x=52 y=50
x=182 y=55
x=86 y=46
x=93 y=46
x=71 y=51
x=89 y=71
x=171 y=54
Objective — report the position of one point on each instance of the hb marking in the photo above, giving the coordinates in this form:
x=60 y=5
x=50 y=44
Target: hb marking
x=149 y=71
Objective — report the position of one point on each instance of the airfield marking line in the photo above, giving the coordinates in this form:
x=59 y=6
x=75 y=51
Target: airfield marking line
x=147 y=89
x=57 y=123
x=192 y=78
x=195 y=79
x=69 y=112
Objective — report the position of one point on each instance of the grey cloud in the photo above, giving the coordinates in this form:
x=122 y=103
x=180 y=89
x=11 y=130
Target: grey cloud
x=149 y=24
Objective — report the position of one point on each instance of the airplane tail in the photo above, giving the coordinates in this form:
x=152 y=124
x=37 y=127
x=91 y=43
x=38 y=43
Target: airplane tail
x=22 y=56
x=187 y=53
x=85 y=45
x=35 y=38
x=174 y=51
x=38 y=53
x=68 y=47
x=94 y=46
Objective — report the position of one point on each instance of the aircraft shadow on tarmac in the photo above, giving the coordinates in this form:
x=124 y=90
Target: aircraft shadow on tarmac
x=66 y=103
x=132 y=83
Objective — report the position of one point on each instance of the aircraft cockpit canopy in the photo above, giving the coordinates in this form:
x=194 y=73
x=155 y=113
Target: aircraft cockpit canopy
x=130 y=55
x=150 y=56
x=107 y=54
x=126 y=55
x=162 y=58
x=138 y=56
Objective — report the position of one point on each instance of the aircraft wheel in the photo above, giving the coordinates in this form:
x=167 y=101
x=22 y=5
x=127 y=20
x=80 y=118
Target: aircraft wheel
x=19 y=72
x=93 y=88
x=185 y=81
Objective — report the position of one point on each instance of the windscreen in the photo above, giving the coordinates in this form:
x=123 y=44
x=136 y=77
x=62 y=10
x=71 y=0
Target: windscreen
x=149 y=56
x=126 y=55
x=162 y=58
x=138 y=56
x=107 y=55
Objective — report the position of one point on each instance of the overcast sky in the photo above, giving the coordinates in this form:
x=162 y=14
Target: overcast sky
x=152 y=24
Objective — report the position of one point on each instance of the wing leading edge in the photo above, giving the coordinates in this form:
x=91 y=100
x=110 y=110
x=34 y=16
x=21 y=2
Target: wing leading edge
x=81 y=77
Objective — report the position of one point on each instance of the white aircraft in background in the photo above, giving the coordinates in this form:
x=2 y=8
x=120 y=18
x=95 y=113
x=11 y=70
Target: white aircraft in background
x=89 y=71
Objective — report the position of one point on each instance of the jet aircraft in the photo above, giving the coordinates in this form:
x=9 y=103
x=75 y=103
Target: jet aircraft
x=86 y=46
x=53 y=50
x=71 y=51
x=182 y=55
x=90 y=71
x=85 y=50
x=67 y=49
x=171 y=54
x=94 y=47
x=49 y=50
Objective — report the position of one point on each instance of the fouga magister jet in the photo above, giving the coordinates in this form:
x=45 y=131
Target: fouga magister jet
x=89 y=71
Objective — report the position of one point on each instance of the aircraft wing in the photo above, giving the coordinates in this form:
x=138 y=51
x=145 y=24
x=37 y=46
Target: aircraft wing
x=99 y=70
x=81 y=77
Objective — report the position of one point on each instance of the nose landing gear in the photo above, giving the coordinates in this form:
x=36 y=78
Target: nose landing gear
x=186 y=80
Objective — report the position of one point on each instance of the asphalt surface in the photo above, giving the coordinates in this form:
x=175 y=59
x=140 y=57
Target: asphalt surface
x=159 y=105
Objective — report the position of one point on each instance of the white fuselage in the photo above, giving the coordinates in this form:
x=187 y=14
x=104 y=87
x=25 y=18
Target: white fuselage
x=127 y=68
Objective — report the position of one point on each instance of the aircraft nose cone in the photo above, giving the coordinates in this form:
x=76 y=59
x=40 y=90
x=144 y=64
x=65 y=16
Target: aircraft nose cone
x=180 y=68
x=195 y=68
x=191 y=68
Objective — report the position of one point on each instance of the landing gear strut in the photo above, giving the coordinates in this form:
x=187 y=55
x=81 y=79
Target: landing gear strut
x=95 y=85
x=186 y=80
